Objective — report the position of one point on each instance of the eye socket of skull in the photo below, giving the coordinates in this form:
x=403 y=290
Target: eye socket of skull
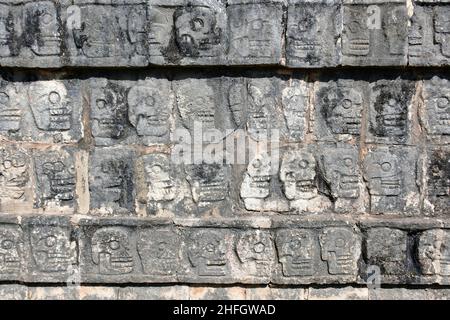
x=348 y=162
x=347 y=103
x=54 y=97
x=354 y=26
x=7 y=244
x=386 y=166
x=101 y=103
x=45 y=17
x=259 y=247
x=340 y=242
x=303 y=164
x=114 y=244
x=443 y=102
x=48 y=241
x=4 y=98
x=257 y=24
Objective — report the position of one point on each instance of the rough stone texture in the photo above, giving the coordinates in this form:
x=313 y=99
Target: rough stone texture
x=122 y=182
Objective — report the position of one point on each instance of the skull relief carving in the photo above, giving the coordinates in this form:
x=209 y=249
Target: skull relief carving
x=50 y=105
x=434 y=252
x=256 y=184
x=383 y=174
x=159 y=251
x=44 y=28
x=295 y=104
x=340 y=248
x=298 y=174
x=148 y=112
x=6 y=30
x=207 y=253
x=296 y=252
x=14 y=174
x=160 y=183
x=10 y=111
x=207 y=182
x=256 y=251
x=442 y=29
x=111 y=251
x=197 y=32
x=356 y=35
x=60 y=179
x=52 y=248
x=10 y=249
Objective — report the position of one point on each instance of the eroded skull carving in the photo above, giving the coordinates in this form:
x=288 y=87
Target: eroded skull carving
x=304 y=31
x=258 y=111
x=442 y=29
x=356 y=35
x=197 y=32
x=439 y=175
x=61 y=180
x=343 y=107
x=434 y=252
x=386 y=248
x=160 y=183
x=207 y=182
x=110 y=181
x=256 y=251
x=50 y=105
x=14 y=174
x=6 y=30
x=159 y=250
x=99 y=34
x=416 y=33
x=44 y=28
x=256 y=184
x=391 y=109
x=10 y=249
x=108 y=113
x=437 y=106
x=111 y=251
x=340 y=248
x=252 y=33
x=159 y=32
x=396 y=30
x=148 y=112
x=382 y=171
x=52 y=248
x=10 y=112
x=296 y=252
x=298 y=174
x=196 y=106
x=341 y=173
x=295 y=104
x=207 y=251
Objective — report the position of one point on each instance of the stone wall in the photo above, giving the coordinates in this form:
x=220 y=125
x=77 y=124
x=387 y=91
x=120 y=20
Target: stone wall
x=224 y=149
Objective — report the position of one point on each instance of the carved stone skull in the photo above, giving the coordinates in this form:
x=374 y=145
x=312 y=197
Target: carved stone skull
x=107 y=113
x=160 y=183
x=442 y=29
x=340 y=168
x=52 y=248
x=296 y=252
x=207 y=253
x=434 y=252
x=256 y=251
x=61 y=180
x=147 y=112
x=6 y=30
x=44 y=28
x=196 y=31
x=111 y=251
x=50 y=105
x=14 y=174
x=382 y=171
x=10 y=112
x=338 y=248
x=196 y=105
x=396 y=30
x=356 y=35
x=298 y=174
x=9 y=250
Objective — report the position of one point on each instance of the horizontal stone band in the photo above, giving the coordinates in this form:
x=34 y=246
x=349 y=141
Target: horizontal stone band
x=294 y=33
